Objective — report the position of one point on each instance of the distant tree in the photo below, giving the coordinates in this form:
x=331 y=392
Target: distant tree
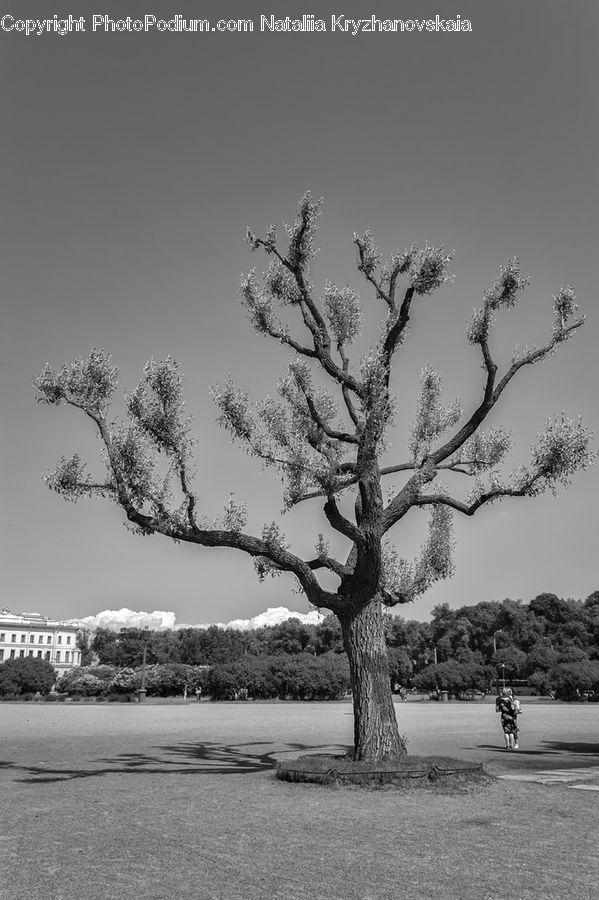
x=328 y=453
x=83 y=642
x=541 y=658
x=571 y=680
x=130 y=643
x=592 y=601
x=8 y=682
x=104 y=645
x=290 y=637
x=29 y=675
x=192 y=649
x=208 y=646
x=513 y=659
x=483 y=623
x=551 y=608
x=571 y=652
x=164 y=647
x=400 y=666
x=454 y=677
x=591 y=612
x=540 y=681
x=328 y=636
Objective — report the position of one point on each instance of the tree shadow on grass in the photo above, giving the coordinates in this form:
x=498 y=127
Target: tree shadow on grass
x=587 y=748
x=496 y=749
x=185 y=758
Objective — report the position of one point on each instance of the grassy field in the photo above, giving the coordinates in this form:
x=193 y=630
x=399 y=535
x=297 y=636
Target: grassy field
x=179 y=801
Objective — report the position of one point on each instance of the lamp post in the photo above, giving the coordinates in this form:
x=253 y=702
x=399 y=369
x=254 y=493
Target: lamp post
x=141 y=694
x=495 y=633
x=502 y=667
x=426 y=657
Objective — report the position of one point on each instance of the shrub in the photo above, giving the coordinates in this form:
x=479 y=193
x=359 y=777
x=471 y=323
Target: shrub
x=299 y=677
x=125 y=681
x=8 y=684
x=168 y=680
x=27 y=675
x=86 y=685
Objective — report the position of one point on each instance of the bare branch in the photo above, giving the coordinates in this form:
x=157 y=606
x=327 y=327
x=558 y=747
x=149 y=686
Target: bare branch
x=536 y=355
x=468 y=509
x=343 y=436
x=368 y=260
x=327 y=562
x=401 y=467
x=395 y=333
x=340 y=523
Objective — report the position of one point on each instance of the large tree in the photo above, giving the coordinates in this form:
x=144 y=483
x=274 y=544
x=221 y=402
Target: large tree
x=327 y=434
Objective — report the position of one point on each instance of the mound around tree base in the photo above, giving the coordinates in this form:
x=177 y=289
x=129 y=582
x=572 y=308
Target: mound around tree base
x=403 y=772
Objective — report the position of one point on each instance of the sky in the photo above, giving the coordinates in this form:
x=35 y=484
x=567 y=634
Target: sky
x=132 y=164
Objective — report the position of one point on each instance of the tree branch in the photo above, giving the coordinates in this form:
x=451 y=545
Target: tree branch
x=327 y=562
x=535 y=356
x=468 y=509
x=397 y=329
x=340 y=523
x=343 y=436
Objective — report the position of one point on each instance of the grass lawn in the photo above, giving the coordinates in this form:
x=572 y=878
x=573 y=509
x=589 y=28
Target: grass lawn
x=180 y=801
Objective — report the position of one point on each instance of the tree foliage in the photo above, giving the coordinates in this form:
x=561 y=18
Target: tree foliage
x=26 y=676
x=530 y=644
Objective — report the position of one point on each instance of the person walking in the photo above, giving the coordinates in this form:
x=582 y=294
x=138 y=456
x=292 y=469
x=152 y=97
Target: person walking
x=508 y=708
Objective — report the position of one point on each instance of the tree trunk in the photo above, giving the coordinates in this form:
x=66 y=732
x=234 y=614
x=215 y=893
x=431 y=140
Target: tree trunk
x=376 y=735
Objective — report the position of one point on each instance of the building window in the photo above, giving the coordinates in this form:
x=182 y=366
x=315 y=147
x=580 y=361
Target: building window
x=58 y=656
x=40 y=639
x=21 y=654
x=39 y=654
x=31 y=638
x=60 y=638
x=68 y=638
x=31 y=653
x=48 y=655
x=23 y=638
x=66 y=656
x=12 y=654
x=2 y=636
x=13 y=638
x=49 y=639
x=1 y=654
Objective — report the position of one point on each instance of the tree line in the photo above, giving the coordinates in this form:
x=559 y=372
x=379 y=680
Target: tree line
x=550 y=642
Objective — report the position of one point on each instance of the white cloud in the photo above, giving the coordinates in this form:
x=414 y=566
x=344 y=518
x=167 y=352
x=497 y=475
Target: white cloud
x=272 y=616
x=127 y=618
x=155 y=621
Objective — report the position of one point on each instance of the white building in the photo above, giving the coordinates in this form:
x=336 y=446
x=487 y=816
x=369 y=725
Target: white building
x=31 y=634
